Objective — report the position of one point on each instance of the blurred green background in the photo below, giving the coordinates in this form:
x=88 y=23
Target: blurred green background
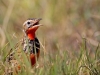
x=65 y=22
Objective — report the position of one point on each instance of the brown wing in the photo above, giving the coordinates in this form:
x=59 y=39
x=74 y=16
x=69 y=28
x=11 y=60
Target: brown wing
x=12 y=56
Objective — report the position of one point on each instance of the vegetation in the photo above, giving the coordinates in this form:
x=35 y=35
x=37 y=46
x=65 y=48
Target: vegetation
x=69 y=36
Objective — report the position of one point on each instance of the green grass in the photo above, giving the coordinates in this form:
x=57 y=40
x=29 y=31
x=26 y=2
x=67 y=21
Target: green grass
x=60 y=62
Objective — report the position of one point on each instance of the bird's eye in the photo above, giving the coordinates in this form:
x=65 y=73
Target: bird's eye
x=28 y=22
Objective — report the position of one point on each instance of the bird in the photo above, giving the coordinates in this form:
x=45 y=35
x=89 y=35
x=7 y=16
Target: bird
x=30 y=44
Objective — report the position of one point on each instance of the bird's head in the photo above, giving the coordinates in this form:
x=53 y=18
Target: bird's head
x=30 y=26
x=32 y=23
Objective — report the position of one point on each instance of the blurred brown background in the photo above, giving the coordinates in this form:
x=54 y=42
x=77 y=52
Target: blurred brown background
x=65 y=22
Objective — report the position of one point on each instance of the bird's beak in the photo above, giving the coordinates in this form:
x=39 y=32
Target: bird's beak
x=39 y=19
x=36 y=23
x=36 y=26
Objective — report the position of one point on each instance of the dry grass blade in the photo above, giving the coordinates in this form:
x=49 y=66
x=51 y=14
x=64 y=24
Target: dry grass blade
x=8 y=13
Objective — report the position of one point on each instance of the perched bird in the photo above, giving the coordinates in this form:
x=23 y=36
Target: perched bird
x=30 y=43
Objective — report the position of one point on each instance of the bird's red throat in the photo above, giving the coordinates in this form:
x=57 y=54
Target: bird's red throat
x=31 y=33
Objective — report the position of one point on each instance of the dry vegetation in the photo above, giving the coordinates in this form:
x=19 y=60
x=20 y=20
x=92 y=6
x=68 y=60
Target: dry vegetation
x=69 y=38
